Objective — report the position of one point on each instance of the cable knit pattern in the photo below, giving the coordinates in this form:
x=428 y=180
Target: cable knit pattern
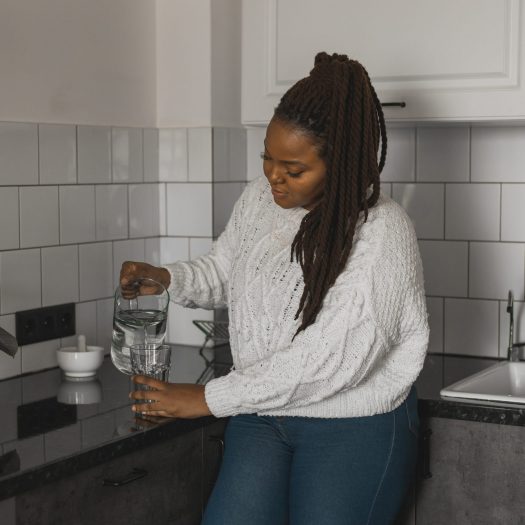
x=368 y=343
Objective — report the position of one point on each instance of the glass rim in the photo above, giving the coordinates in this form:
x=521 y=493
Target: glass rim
x=150 y=347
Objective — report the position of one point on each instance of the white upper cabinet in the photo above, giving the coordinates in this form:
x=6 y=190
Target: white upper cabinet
x=449 y=60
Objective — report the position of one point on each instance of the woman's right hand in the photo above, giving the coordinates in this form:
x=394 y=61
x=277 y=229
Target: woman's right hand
x=131 y=274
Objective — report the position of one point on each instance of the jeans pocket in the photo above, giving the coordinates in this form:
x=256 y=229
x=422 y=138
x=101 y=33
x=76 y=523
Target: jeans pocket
x=411 y=413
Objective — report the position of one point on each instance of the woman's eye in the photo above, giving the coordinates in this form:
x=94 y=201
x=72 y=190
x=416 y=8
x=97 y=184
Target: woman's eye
x=264 y=156
x=294 y=174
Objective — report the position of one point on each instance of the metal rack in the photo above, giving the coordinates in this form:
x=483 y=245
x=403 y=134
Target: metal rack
x=217 y=333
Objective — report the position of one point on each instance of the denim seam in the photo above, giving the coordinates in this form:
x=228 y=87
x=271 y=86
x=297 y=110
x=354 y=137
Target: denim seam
x=410 y=422
x=384 y=471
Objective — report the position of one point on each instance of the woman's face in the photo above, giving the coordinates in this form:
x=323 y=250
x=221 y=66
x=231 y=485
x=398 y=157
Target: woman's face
x=293 y=167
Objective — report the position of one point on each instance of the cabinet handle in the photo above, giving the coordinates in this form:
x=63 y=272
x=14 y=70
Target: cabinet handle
x=425 y=456
x=135 y=474
x=220 y=441
x=393 y=104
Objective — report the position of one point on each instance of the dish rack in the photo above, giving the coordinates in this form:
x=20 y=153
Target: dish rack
x=217 y=333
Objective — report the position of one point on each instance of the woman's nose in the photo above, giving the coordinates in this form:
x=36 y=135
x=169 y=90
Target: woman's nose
x=274 y=175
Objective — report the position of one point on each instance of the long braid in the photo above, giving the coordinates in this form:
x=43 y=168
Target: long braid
x=338 y=107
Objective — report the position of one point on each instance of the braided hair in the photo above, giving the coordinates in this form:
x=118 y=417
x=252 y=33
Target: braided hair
x=337 y=107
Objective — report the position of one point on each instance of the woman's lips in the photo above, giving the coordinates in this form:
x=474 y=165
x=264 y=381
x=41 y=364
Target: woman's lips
x=277 y=193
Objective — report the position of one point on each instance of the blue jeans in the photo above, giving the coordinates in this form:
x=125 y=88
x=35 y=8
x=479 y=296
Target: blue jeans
x=302 y=471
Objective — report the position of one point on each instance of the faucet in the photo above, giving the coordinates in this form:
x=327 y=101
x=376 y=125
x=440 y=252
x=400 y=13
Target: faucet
x=513 y=352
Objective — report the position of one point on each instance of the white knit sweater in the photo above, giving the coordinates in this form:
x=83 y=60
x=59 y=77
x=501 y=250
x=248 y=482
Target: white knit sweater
x=368 y=343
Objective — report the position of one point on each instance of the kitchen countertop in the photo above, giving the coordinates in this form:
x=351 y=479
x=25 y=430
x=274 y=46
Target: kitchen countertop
x=44 y=436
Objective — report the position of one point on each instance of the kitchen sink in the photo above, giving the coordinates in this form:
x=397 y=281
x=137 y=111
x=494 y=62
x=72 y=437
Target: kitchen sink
x=501 y=382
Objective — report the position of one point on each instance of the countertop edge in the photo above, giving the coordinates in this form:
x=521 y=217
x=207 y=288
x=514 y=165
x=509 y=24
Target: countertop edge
x=23 y=481
x=465 y=410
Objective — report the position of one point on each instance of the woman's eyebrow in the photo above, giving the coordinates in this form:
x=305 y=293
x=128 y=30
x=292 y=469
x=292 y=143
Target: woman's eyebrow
x=293 y=162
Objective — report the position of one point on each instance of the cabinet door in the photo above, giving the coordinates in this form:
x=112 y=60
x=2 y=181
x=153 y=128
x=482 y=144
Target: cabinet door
x=169 y=493
x=446 y=60
x=477 y=474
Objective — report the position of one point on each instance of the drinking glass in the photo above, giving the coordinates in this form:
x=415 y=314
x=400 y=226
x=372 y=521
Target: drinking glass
x=139 y=317
x=152 y=361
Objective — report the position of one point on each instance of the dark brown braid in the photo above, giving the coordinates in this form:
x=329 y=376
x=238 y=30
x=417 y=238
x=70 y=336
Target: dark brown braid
x=337 y=106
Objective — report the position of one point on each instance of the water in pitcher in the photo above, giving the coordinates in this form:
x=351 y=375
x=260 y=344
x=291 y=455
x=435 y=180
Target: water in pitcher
x=131 y=327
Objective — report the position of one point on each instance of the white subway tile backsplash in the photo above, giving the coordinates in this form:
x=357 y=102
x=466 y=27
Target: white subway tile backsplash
x=105 y=323
x=130 y=250
x=150 y=139
x=173 y=155
x=96 y=270
x=77 y=214
x=200 y=246
x=199 y=155
x=173 y=249
x=18 y=153
x=471 y=327
x=57 y=146
x=237 y=154
x=170 y=218
x=127 y=159
x=442 y=154
x=472 y=211
x=39 y=356
x=111 y=204
x=498 y=153
x=425 y=205
x=386 y=189
x=38 y=216
x=152 y=251
x=21 y=280
x=145 y=210
x=181 y=327
x=59 y=275
x=225 y=195
x=94 y=154
x=496 y=268
x=254 y=147
x=189 y=209
x=9 y=219
x=230 y=154
x=400 y=156
x=513 y=212
x=445 y=268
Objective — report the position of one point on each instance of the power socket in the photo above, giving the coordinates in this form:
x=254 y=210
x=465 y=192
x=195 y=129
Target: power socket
x=43 y=324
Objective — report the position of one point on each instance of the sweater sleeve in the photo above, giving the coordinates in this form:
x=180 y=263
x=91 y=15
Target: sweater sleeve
x=203 y=282
x=348 y=341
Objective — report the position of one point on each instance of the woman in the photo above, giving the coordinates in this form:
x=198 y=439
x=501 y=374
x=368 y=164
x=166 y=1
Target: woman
x=328 y=328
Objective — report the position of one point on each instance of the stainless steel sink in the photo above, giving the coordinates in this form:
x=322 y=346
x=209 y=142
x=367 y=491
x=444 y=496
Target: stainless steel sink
x=501 y=382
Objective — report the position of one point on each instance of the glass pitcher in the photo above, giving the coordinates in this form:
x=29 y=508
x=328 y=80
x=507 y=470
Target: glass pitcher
x=139 y=317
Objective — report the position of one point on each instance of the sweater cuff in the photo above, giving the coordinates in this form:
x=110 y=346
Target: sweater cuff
x=177 y=279
x=219 y=398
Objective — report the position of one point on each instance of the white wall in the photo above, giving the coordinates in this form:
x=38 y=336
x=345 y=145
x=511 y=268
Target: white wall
x=183 y=63
x=226 y=48
x=81 y=61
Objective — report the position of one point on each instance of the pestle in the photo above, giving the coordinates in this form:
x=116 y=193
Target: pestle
x=81 y=343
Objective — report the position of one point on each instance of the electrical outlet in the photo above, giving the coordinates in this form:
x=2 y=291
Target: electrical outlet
x=43 y=324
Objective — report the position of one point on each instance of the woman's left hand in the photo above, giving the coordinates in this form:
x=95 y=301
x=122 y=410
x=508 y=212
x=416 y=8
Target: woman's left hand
x=180 y=400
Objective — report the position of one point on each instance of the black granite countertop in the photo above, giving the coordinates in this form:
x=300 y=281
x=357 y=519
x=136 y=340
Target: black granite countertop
x=442 y=370
x=52 y=427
